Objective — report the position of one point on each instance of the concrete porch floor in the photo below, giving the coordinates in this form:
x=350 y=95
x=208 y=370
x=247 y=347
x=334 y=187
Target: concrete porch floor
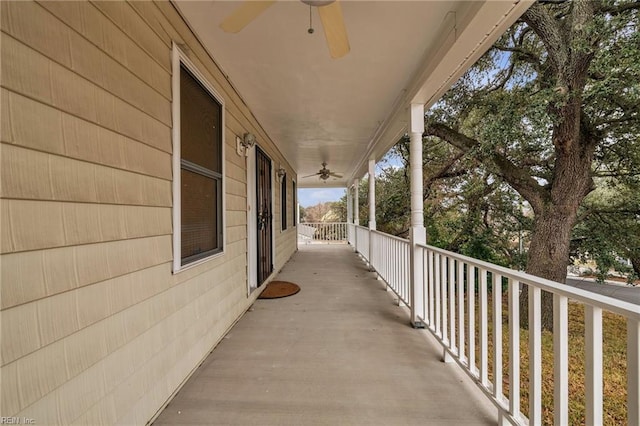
x=340 y=352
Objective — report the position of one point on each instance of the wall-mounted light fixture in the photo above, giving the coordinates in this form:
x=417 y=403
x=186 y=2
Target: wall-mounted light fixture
x=281 y=173
x=245 y=143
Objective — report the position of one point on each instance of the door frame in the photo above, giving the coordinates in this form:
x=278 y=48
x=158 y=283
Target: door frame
x=252 y=218
x=252 y=222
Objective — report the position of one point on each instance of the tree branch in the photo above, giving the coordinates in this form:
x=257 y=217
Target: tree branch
x=616 y=10
x=550 y=33
x=521 y=181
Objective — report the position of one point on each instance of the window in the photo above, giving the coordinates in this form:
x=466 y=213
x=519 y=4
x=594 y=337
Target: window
x=283 y=201
x=198 y=166
x=295 y=203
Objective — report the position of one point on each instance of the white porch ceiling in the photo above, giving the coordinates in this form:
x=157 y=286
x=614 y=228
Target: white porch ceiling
x=345 y=111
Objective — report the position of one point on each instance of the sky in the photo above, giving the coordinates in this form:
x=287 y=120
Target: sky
x=312 y=196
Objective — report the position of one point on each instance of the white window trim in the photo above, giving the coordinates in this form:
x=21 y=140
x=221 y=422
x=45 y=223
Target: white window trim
x=286 y=205
x=178 y=58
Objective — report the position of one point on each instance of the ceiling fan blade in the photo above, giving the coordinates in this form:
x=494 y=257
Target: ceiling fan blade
x=336 y=175
x=243 y=15
x=315 y=174
x=334 y=29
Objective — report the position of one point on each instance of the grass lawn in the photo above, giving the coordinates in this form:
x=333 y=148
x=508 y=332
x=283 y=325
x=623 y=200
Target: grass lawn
x=614 y=366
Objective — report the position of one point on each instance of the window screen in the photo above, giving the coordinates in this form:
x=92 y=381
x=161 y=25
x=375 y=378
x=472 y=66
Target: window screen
x=201 y=170
x=283 y=200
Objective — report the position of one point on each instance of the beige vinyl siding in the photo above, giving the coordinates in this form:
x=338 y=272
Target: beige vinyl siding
x=95 y=327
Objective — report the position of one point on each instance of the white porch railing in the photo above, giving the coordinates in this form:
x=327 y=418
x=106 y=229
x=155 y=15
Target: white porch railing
x=323 y=231
x=453 y=285
x=362 y=242
x=391 y=259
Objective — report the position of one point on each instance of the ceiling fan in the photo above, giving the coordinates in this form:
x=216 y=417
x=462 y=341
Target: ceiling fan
x=324 y=173
x=330 y=14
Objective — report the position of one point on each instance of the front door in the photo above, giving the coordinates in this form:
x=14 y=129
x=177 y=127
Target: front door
x=264 y=216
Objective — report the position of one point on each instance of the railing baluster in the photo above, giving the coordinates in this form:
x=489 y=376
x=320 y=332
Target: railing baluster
x=436 y=287
x=514 y=348
x=496 y=290
x=406 y=280
x=392 y=267
x=593 y=364
x=425 y=290
x=471 y=309
x=560 y=360
x=461 y=310
x=443 y=293
x=633 y=371
x=432 y=309
x=535 y=356
x=484 y=329
x=452 y=305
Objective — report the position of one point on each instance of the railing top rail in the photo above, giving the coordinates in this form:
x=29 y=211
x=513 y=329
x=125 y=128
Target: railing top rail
x=323 y=223
x=393 y=237
x=621 y=307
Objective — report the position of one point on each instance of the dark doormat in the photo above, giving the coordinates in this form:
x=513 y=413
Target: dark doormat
x=277 y=289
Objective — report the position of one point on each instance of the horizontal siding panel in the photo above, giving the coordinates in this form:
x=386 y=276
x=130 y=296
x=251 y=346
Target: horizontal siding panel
x=235 y=218
x=203 y=332
x=148 y=327
x=35 y=27
x=34 y=225
x=10 y=395
x=126 y=18
x=235 y=187
x=89 y=22
x=32 y=275
x=236 y=202
x=28 y=174
x=152 y=16
x=235 y=172
x=81 y=56
x=27 y=72
x=67 y=313
x=231 y=251
x=58 y=133
x=20 y=327
x=236 y=233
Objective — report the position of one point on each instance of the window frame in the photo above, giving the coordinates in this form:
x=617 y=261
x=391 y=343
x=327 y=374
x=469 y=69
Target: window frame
x=283 y=204
x=180 y=59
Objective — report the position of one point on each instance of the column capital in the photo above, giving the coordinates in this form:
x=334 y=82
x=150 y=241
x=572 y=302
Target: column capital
x=416 y=118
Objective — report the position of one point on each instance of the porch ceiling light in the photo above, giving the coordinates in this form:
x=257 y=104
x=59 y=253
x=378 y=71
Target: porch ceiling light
x=244 y=144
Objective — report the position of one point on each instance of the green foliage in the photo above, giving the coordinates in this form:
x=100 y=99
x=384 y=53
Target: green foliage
x=609 y=233
x=514 y=105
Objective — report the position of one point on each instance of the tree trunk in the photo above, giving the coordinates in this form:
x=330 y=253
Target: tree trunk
x=635 y=263
x=548 y=257
x=555 y=217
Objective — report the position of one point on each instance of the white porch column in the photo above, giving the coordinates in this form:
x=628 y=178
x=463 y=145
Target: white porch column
x=418 y=234
x=349 y=215
x=372 y=195
x=356 y=212
x=372 y=211
x=356 y=202
x=349 y=206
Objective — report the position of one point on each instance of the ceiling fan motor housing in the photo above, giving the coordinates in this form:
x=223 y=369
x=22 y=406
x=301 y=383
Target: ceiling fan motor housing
x=317 y=3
